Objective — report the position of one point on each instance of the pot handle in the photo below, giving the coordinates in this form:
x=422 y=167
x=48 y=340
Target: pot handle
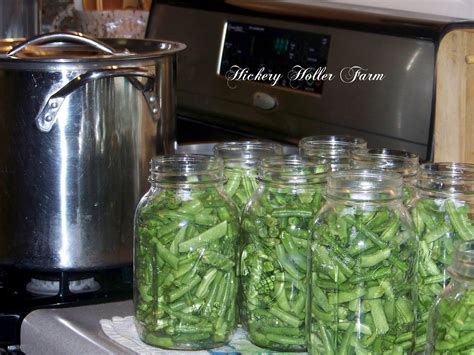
x=63 y=37
x=47 y=117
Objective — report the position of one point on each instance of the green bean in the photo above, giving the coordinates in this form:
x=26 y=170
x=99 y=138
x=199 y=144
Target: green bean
x=164 y=342
x=344 y=297
x=170 y=258
x=282 y=331
x=210 y=235
x=284 y=340
x=280 y=295
x=180 y=292
x=286 y=263
x=298 y=258
x=293 y=212
x=345 y=340
x=241 y=184
x=206 y=281
x=191 y=337
x=459 y=224
x=232 y=184
x=375 y=258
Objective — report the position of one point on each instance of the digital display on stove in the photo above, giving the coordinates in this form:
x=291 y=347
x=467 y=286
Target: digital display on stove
x=249 y=50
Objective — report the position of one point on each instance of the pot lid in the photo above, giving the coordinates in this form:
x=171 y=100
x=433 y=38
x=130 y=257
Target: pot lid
x=72 y=47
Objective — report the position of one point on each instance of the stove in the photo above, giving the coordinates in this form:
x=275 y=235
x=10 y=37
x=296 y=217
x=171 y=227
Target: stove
x=343 y=69
x=23 y=291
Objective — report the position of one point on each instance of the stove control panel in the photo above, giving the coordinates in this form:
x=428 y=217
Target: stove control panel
x=262 y=50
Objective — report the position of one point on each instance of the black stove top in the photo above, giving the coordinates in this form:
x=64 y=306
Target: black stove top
x=59 y=289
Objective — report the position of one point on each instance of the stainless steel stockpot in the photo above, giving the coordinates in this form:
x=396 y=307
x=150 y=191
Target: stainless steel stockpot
x=19 y=18
x=80 y=120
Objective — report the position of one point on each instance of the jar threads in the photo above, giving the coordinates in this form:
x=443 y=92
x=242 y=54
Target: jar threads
x=336 y=149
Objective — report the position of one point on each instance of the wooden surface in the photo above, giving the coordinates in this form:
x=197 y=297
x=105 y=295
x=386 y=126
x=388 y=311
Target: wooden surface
x=454 y=114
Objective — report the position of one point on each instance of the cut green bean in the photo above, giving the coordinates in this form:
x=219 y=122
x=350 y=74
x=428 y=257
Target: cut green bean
x=210 y=235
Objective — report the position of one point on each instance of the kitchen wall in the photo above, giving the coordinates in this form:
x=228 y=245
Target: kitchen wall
x=57 y=15
x=452 y=8
x=69 y=15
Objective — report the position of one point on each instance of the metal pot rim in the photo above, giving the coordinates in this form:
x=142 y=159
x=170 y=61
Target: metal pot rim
x=127 y=50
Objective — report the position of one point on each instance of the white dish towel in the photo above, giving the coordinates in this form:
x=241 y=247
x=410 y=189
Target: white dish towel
x=124 y=332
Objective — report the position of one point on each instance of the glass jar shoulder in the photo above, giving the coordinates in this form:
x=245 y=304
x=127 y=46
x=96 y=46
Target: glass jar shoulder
x=390 y=217
x=190 y=201
x=274 y=196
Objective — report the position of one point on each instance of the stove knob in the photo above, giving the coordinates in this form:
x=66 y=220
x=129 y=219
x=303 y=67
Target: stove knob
x=264 y=101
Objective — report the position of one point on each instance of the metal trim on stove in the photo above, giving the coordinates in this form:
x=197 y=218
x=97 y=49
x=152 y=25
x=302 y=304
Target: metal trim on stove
x=429 y=27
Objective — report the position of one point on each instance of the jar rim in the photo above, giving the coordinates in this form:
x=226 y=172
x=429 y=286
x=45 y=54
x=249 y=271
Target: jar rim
x=173 y=168
x=388 y=153
x=401 y=161
x=249 y=149
x=448 y=169
x=365 y=185
x=293 y=169
x=446 y=178
x=342 y=141
x=336 y=148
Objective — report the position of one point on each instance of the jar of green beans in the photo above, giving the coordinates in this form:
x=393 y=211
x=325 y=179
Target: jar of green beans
x=275 y=225
x=451 y=322
x=362 y=259
x=399 y=161
x=185 y=255
x=335 y=149
x=443 y=214
x=240 y=166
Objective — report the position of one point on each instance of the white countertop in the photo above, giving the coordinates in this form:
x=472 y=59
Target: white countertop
x=72 y=330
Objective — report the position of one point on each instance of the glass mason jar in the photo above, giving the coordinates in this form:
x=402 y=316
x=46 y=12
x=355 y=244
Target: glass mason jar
x=442 y=215
x=362 y=258
x=335 y=149
x=275 y=225
x=451 y=322
x=185 y=255
x=399 y=161
x=240 y=166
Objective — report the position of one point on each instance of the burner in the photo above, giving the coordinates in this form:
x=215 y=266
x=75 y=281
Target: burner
x=51 y=287
x=23 y=291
